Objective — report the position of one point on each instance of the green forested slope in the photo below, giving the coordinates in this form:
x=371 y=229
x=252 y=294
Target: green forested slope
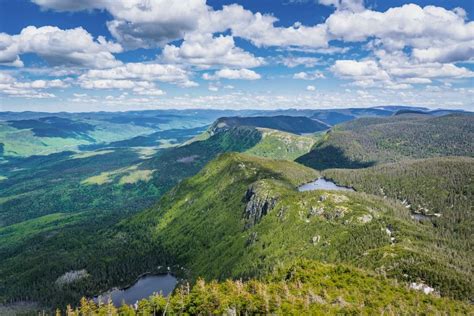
x=256 y=221
x=55 y=205
x=95 y=181
x=428 y=186
x=242 y=217
x=368 y=141
x=442 y=189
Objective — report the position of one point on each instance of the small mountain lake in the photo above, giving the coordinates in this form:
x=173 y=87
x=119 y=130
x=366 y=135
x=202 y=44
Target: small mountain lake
x=322 y=184
x=142 y=288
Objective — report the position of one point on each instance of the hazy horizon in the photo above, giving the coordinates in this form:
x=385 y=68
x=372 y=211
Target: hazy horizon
x=246 y=110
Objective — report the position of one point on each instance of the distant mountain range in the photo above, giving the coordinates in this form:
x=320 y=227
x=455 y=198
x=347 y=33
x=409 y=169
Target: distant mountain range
x=40 y=133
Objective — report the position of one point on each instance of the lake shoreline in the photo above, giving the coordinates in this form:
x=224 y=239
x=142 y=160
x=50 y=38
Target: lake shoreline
x=142 y=283
x=323 y=181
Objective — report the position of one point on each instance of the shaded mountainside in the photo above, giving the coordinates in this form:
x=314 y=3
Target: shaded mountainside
x=47 y=135
x=368 y=141
x=55 y=127
x=337 y=116
x=166 y=138
x=291 y=124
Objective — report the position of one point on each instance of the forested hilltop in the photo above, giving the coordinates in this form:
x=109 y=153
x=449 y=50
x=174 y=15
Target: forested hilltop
x=368 y=141
x=222 y=211
x=291 y=124
x=243 y=242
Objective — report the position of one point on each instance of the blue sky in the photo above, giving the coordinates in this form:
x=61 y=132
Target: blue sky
x=93 y=55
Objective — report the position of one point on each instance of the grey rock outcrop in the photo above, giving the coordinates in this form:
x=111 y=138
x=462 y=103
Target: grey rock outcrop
x=258 y=205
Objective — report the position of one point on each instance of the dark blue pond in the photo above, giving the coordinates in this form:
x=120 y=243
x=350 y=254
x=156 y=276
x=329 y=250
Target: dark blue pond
x=143 y=288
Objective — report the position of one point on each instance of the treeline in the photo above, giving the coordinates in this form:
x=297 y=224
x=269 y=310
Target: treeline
x=306 y=287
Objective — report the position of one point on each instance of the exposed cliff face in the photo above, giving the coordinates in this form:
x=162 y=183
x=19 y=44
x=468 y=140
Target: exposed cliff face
x=259 y=204
x=218 y=126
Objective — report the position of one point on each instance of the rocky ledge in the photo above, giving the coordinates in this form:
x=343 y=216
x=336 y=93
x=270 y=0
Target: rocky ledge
x=259 y=204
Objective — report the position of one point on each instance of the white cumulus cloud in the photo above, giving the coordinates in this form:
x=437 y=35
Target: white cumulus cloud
x=261 y=31
x=59 y=47
x=352 y=5
x=226 y=73
x=138 y=72
x=424 y=29
x=141 y=23
x=10 y=86
x=205 y=51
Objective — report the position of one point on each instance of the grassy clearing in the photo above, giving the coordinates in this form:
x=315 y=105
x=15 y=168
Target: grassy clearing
x=128 y=175
x=135 y=176
x=281 y=145
x=145 y=152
